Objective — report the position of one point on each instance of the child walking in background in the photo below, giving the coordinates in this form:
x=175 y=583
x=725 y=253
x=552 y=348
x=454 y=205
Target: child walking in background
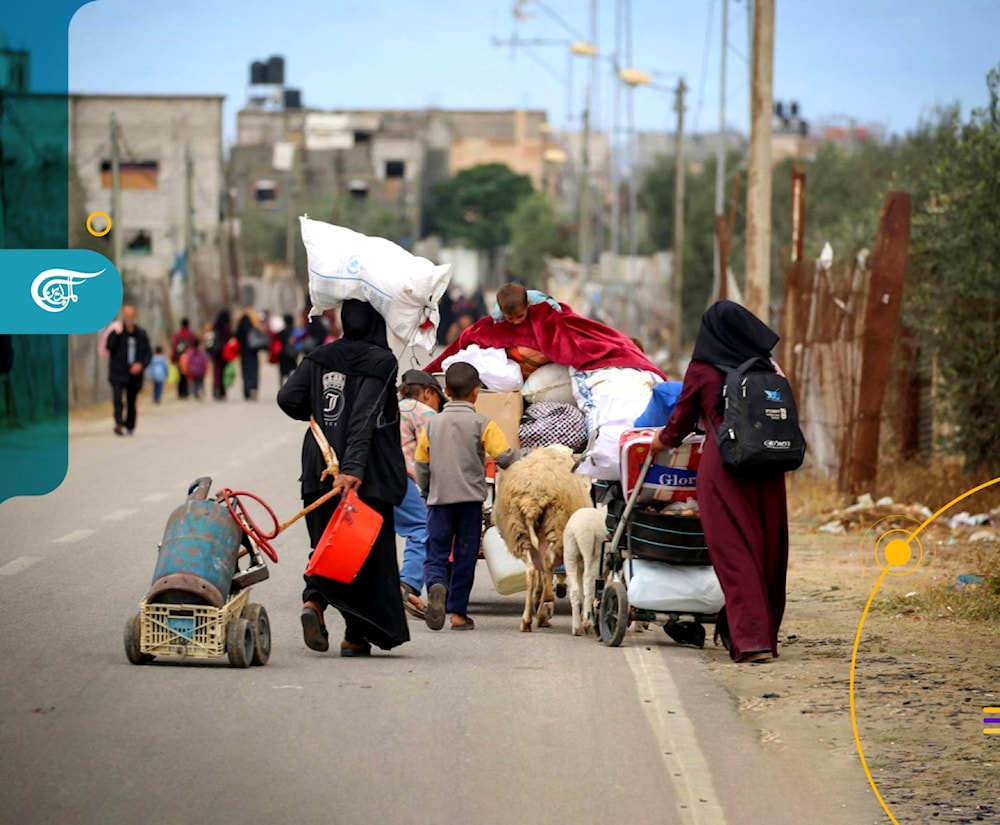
x=450 y=461
x=195 y=365
x=158 y=369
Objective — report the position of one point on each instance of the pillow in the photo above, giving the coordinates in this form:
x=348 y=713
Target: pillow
x=551 y=382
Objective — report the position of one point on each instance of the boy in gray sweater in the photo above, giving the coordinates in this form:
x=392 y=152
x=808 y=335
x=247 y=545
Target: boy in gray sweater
x=450 y=461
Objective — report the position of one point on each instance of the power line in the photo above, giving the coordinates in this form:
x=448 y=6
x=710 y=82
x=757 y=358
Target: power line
x=704 y=69
x=544 y=7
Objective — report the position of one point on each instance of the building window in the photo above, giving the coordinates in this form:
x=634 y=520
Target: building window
x=362 y=137
x=395 y=168
x=143 y=174
x=358 y=190
x=265 y=192
x=138 y=242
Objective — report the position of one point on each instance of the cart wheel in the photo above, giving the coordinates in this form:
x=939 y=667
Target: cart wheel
x=257 y=616
x=133 y=642
x=240 y=642
x=614 y=614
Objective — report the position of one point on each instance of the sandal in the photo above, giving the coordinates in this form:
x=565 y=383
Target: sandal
x=411 y=601
x=314 y=632
x=436 y=608
x=468 y=624
x=756 y=657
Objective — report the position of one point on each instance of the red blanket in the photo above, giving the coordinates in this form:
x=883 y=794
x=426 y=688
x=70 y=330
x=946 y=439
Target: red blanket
x=564 y=337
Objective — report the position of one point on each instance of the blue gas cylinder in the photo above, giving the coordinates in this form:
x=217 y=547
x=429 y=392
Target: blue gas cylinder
x=199 y=552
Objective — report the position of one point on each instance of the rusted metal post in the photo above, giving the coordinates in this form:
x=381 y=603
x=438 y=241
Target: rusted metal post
x=793 y=274
x=881 y=330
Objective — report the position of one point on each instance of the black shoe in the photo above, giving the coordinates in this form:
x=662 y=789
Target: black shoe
x=119 y=429
x=437 y=598
x=349 y=650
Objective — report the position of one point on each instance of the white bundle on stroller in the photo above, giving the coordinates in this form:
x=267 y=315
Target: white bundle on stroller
x=403 y=288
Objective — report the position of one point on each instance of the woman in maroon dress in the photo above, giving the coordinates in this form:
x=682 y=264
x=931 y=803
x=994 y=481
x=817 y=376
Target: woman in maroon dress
x=745 y=519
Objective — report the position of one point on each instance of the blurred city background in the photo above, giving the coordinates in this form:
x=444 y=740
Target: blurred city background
x=636 y=160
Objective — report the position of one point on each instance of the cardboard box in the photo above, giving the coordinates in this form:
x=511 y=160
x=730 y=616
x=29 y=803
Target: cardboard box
x=506 y=409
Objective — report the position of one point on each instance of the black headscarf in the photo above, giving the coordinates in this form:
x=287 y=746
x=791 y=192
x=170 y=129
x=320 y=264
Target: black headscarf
x=362 y=322
x=730 y=334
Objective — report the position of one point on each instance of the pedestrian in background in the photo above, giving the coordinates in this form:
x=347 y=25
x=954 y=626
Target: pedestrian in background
x=195 y=363
x=745 y=519
x=129 y=354
x=288 y=355
x=158 y=371
x=222 y=331
x=420 y=399
x=347 y=386
x=179 y=343
x=252 y=337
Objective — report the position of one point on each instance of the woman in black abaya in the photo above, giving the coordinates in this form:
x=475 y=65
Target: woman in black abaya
x=348 y=386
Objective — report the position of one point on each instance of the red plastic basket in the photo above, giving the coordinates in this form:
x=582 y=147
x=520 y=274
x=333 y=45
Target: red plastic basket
x=346 y=542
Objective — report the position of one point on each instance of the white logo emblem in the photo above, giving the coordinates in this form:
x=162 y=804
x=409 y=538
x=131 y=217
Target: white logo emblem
x=52 y=289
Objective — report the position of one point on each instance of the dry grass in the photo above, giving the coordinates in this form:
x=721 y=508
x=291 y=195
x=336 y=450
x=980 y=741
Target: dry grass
x=933 y=485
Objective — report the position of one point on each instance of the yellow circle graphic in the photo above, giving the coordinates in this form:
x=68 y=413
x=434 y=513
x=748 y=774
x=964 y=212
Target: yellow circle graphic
x=892 y=558
x=895 y=548
x=90 y=222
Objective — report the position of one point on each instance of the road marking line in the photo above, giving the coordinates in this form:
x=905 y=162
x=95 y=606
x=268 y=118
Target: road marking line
x=76 y=535
x=675 y=734
x=118 y=515
x=152 y=498
x=21 y=563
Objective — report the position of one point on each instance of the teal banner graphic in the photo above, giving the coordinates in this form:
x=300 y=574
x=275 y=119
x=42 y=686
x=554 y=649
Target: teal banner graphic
x=66 y=291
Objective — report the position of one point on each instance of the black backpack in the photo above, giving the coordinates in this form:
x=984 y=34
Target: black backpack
x=760 y=433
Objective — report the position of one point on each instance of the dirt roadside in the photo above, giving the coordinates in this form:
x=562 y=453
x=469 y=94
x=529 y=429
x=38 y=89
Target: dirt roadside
x=923 y=677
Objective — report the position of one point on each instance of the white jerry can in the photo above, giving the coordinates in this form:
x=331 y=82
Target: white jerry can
x=507 y=571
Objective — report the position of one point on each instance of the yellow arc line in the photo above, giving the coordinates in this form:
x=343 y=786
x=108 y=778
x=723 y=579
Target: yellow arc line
x=991 y=710
x=857 y=641
x=991 y=730
x=854 y=717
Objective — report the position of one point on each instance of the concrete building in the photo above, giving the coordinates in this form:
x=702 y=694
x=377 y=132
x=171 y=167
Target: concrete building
x=392 y=158
x=171 y=168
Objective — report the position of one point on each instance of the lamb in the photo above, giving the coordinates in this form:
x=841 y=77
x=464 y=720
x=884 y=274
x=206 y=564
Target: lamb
x=585 y=532
x=535 y=498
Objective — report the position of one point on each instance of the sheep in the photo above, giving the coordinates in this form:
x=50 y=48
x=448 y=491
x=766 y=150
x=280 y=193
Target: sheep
x=585 y=532
x=535 y=498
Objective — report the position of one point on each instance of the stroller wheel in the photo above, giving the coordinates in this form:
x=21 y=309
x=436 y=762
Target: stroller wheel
x=613 y=619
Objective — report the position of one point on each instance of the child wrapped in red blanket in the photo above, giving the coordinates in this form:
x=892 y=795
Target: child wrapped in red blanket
x=560 y=335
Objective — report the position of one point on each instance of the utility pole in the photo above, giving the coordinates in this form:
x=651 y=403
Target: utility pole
x=616 y=207
x=759 y=166
x=293 y=184
x=678 y=219
x=720 y=157
x=190 y=293
x=584 y=219
x=116 y=195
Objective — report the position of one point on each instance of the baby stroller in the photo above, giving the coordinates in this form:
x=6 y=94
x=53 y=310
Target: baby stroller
x=655 y=567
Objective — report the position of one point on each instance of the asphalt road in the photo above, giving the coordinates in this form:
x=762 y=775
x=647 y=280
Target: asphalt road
x=490 y=727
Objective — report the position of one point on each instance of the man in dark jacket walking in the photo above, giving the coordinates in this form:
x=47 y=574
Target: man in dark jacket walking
x=130 y=354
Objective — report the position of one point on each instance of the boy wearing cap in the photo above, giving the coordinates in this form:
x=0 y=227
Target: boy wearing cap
x=451 y=472
x=420 y=399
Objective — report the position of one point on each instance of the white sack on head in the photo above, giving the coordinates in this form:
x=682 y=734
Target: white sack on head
x=403 y=288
